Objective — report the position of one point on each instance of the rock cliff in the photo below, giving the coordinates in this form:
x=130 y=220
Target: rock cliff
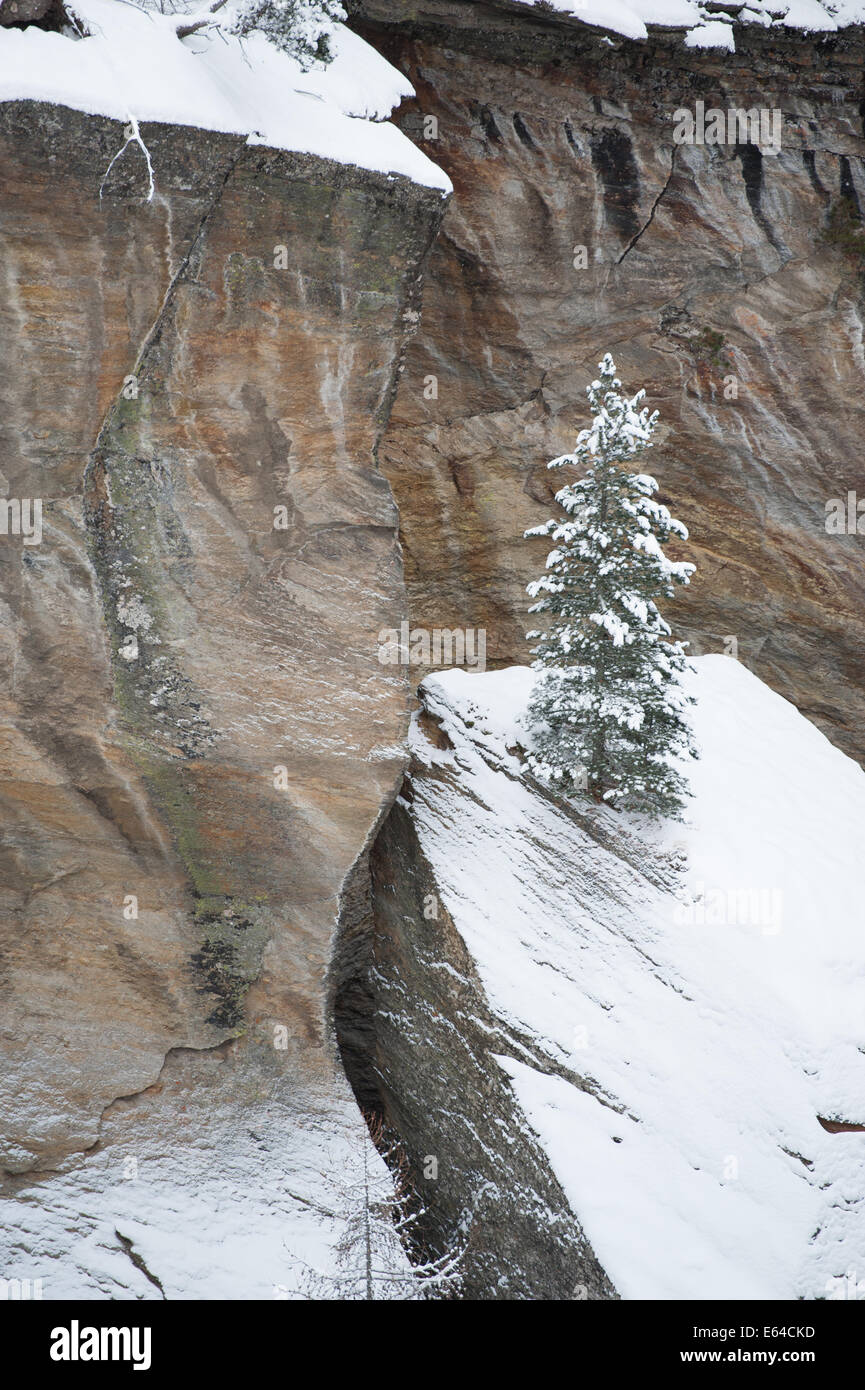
x=704 y=268
x=252 y=460
x=197 y=735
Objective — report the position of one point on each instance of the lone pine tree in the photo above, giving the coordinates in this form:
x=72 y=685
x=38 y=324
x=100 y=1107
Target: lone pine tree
x=609 y=711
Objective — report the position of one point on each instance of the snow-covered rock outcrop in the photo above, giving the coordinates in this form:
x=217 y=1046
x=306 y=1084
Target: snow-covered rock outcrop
x=676 y=1009
x=127 y=62
x=712 y=273
x=709 y=25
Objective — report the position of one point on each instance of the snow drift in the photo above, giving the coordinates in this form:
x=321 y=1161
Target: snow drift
x=711 y=28
x=130 y=65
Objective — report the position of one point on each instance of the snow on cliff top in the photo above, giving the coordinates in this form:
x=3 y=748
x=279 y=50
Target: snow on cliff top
x=131 y=65
x=712 y=1020
x=706 y=29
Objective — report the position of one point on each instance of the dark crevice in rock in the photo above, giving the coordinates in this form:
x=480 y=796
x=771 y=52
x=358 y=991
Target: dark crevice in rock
x=416 y=1036
x=572 y=140
x=348 y=997
x=488 y=122
x=846 y=186
x=751 y=159
x=129 y=1249
x=352 y=997
x=523 y=132
x=409 y=307
x=187 y=263
x=613 y=160
x=809 y=160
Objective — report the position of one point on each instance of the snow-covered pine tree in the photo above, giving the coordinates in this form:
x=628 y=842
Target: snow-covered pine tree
x=609 y=710
x=301 y=28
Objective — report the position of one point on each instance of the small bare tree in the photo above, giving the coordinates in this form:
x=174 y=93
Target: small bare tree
x=380 y=1254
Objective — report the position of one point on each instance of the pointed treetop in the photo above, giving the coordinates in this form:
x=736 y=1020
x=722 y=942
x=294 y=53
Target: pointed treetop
x=607 y=367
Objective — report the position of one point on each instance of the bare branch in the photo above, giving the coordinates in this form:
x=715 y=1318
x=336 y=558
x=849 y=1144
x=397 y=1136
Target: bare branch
x=183 y=31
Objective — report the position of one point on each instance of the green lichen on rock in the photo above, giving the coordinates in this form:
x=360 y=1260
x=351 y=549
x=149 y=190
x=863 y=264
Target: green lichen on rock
x=234 y=936
x=709 y=345
x=169 y=784
x=136 y=540
x=139 y=549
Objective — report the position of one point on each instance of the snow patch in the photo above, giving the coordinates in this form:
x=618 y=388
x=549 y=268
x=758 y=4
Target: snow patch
x=131 y=66
x=705 y=30
x=714 y=34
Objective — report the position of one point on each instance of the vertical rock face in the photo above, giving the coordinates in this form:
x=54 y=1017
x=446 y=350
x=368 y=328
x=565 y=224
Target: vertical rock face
x=725 y=279
x=197 y=735
x=419 y=1040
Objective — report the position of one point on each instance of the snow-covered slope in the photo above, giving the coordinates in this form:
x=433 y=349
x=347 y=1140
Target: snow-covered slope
x=705 y=981
x=148 y=1218
x=131 y=65
x=706 y=27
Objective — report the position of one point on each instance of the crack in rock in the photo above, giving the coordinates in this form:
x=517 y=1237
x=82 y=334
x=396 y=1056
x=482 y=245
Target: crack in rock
x=129 y=1249
x=647 y=224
